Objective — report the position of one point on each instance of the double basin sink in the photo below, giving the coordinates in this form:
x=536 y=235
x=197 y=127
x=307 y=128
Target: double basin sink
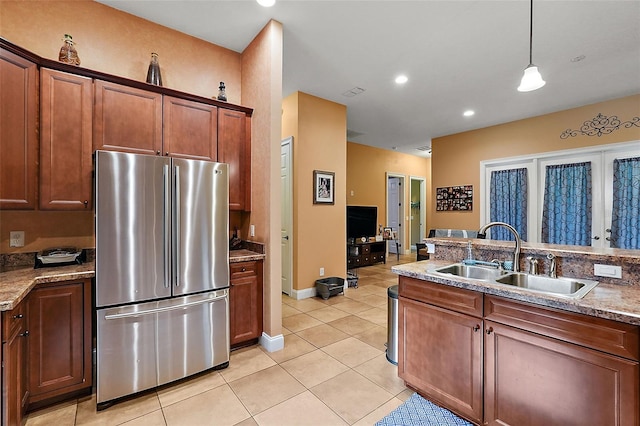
x=564 y=287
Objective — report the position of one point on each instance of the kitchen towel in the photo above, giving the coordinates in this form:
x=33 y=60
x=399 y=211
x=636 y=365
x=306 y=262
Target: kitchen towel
x=417 y=411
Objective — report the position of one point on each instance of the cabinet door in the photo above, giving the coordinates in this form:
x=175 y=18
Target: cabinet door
x=66 y=111
x=127 y=119
x=14 y=358
x=234 y=148
x=18 y=132
x=440 y=354
x=245 y=299
x=190 y=129
x=60 y=347
x=535 y=380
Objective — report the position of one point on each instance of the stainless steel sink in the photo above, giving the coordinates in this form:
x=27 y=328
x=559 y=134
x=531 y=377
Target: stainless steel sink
x=470 y=271
x=569 y=287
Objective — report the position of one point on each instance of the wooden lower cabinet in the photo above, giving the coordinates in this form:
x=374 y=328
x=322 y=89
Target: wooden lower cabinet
x=15 y=390
x=535 y=380
x=245 y=301
x=60 y=340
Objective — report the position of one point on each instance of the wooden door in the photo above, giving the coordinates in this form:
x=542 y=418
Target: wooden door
x=60 y=349
x=245 y=300
x=440 y=354
x=127 y=119
x=234 y=148
x=66 y=111
x=535 y=380
x=190 y=129
x=18 y=132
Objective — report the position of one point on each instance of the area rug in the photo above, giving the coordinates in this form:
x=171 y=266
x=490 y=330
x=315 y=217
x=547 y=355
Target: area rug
x=417 y=411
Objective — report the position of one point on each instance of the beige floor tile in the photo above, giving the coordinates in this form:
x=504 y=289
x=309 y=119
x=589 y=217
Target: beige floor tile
x=384 y=374
x=379 y=413
x=288 y=311
x=266 y=388
x=352 y=306
x=352 y=325
x=375 y=315
x=351 y=395
x=314 y=368
x=405 y=394
x=362 y=288
x=327 y=314
x=375 y=300
x=379 y=291
x=245 y=362
x=322 y=335
x=376 y=337
x=351 y=351
x=302 y=410
x=286 y=331
x=155 y=418
x=121 y=412
x=294 y=346
x=186 y=389
x=333 y=300
x=309 y=304
x=219 y=406
x=299 y=322
x=249 y=422
x=59 y=414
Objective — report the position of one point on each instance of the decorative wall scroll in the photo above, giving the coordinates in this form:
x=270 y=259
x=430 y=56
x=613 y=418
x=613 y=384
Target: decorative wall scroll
x=600 y=125
x=454 y=198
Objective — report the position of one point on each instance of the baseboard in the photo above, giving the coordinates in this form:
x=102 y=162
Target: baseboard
x=272 y=344
x=303 y=294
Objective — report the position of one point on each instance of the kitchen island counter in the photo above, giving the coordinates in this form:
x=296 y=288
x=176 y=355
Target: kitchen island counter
x=610 y=301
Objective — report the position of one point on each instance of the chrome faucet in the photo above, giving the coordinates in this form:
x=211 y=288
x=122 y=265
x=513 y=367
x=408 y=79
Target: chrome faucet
x=516 y=252
x=552 y=266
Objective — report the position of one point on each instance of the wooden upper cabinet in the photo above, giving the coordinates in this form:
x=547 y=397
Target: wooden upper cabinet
x=127 y=119
x=66 y=111
x=190 y=129
x=234 y=148
x=18 y=132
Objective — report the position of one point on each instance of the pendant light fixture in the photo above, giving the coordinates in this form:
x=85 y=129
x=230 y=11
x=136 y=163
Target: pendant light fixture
x=266 y=3
x=531 y=80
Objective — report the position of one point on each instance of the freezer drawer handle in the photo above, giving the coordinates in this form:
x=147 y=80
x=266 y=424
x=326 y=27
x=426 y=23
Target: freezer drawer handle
x=163 y=309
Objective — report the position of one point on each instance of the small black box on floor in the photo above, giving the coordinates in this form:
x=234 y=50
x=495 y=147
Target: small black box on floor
x=328 y=287
x=352 y=279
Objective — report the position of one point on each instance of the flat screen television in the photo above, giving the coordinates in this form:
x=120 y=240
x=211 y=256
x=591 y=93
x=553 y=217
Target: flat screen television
x=362 y=221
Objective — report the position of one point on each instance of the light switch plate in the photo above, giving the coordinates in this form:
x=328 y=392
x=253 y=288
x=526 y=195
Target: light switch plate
x=431 y=248
x=610 y=271
x=16 y=239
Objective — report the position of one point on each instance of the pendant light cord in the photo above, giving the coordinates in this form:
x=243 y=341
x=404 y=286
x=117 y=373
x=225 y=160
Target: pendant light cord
x=531 y=35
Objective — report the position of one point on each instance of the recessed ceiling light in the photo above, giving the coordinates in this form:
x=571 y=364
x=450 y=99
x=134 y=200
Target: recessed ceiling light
x=401 y=79
x=266 y=3
x=468 y=113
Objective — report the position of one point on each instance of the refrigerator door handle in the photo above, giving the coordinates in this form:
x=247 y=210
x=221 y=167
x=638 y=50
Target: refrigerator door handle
x=166 y=243
x=177 y=224
x=163 y=308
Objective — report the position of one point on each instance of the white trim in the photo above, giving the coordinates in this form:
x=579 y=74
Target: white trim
x=272 y=344
x=304 y=293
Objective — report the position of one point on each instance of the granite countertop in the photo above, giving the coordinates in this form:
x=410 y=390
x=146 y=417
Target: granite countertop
x=615 y=302
x=17 y=282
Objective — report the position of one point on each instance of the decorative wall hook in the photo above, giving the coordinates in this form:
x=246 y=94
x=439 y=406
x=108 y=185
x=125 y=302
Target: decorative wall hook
x=600 y=125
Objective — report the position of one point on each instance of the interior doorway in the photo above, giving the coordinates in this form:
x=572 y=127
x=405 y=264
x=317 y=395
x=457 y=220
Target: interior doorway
x=417 y=210
x=395 y=212
x=286 y=165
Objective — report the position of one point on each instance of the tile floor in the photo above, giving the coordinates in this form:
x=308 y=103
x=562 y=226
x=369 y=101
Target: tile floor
x=332 y=371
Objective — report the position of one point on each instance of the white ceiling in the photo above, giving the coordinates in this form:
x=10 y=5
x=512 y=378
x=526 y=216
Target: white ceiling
x=458 y=55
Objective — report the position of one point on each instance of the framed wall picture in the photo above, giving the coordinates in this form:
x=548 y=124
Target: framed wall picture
x=454 y=198
x=323 y=187
x=387 y=233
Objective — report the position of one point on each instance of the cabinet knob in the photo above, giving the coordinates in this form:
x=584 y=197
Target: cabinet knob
x=489 y=330
x=25 y=334
x=86 y=203
x=477 y=327
x=18 y=316
x=158 y=152
x=244 y=269
x=166 y=153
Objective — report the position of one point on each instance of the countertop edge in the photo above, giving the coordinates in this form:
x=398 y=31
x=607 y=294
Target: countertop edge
x=600 y=302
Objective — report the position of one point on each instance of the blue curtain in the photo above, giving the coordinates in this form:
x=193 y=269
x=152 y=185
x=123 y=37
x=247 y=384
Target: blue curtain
x=566 y=213
x=625 y=223
x=508 y=203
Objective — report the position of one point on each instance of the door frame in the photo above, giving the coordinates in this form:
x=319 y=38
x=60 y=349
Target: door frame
x=402 y=211
x=287 y=219
x=422 y=218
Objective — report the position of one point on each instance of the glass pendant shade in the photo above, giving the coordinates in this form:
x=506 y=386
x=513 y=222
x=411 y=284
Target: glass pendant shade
x=531 y=80
x=266 y=3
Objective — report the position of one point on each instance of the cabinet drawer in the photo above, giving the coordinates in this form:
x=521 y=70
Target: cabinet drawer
x=14 y=319
x=242 y=269
x=366 y=249
x=457 y=299
x=596 y=333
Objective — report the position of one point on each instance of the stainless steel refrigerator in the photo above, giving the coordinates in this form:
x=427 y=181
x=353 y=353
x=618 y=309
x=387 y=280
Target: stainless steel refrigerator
x=162 y=270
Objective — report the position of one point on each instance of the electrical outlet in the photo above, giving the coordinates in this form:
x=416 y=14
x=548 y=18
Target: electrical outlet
x=16 y=239
x=607 y=271
x=252 y=230
x=322 y=272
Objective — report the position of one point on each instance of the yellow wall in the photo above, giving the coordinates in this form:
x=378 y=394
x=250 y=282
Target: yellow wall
x=366 y=178
x=456 y=158
x=319 y=129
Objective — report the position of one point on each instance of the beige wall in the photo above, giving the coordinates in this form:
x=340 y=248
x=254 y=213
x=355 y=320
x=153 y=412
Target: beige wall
x=456 y=158
x=319 y=129
x=366 y=178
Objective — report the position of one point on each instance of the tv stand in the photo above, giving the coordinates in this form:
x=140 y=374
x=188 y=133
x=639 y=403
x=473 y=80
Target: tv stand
x=364 y=254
